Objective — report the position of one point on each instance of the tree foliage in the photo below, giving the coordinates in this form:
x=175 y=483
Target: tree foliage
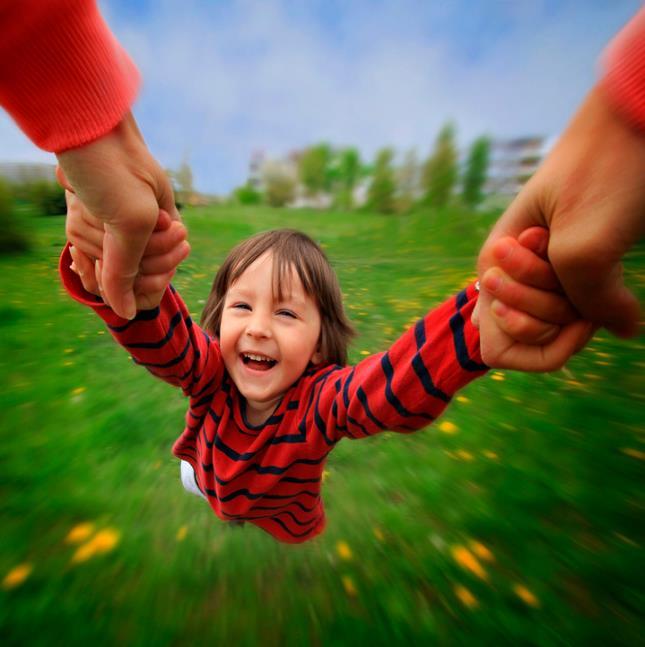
x=440 y=171
x=313 y=169
x=476 y=172
x=247 y=194
x=408 y=180
x=348 y=173
x=380 y=196
x=280 y=185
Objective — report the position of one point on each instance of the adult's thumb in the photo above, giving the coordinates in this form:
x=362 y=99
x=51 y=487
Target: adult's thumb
x=121 y=258
x=604 y=299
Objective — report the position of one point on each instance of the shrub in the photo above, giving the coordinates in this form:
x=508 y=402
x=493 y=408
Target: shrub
x=12 y=237
x=47 y=197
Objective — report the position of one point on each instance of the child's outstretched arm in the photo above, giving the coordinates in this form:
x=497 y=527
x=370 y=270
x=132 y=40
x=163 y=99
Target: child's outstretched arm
x=534 y=326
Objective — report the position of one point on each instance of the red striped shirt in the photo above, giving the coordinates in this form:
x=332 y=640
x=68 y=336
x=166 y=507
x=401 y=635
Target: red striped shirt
x=270 y=474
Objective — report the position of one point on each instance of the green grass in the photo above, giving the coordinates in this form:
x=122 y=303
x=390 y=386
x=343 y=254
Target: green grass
x=544 y=471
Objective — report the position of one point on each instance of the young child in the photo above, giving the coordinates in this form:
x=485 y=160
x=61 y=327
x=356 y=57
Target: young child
x=270 y=392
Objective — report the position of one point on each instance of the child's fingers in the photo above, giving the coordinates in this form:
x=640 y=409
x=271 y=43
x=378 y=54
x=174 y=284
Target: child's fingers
x=521 y=327
x=84 y=267
x=163 y=263
x=81 y=228
x=553 y=356
x=161 y=242
x=523 y=265
x=536 y=239
x=550 y=307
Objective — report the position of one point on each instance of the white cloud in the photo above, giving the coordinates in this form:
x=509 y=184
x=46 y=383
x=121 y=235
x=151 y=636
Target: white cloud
x=225 y=79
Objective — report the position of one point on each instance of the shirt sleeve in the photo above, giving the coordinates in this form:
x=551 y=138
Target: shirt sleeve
x=164 y=340
x=624 y=67
x=408 y=386
x=64 y=78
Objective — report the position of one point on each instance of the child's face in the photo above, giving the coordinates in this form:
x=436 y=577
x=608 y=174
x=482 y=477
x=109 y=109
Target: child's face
x=266 y=344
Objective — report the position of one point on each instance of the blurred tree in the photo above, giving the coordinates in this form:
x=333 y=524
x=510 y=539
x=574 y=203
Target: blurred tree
x=349 y=169
x=280 y=185
x=476 y=172
x=440 y=171
x=408 y=179
x=183 y=178
x=247 y=194
x=12 y=238
x=380 y=196
x=313 y=169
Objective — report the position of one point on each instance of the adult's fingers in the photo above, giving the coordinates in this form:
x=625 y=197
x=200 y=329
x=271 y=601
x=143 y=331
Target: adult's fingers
x=546 y=305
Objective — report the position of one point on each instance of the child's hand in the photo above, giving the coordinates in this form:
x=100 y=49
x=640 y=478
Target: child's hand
x=166 y=248
x=534 y=327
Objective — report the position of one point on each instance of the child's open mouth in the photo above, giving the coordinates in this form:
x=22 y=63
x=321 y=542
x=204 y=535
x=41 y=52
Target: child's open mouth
x=258 y=362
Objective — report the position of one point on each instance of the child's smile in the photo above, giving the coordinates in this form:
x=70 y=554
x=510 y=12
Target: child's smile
x=267 y=343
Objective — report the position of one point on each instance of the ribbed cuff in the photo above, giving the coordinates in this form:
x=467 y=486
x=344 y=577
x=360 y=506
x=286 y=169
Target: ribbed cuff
x=624 y=79
x=73 y=83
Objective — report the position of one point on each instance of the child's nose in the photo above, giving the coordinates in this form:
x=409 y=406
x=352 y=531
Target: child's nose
x=259 y=326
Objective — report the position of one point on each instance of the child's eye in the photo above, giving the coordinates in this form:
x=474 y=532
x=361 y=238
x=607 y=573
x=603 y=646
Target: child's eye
x=287 y=313
x=241 y=306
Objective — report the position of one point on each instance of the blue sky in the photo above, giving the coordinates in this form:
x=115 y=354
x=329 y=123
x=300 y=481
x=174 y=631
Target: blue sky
x=223 y=79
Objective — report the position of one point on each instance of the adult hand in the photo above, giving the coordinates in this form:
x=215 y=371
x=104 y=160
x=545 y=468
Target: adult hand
x=590 y=193
x=120 y=183
x=165 y=250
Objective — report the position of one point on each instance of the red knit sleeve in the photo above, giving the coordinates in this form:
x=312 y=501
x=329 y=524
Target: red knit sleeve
x=624 y=79
x=64 y=78
x=164 y=339
x=407 y=387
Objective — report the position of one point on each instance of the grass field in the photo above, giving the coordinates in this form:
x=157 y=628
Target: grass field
x=517 y=518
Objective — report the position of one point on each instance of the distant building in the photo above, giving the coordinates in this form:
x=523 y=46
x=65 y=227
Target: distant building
x=513 y=161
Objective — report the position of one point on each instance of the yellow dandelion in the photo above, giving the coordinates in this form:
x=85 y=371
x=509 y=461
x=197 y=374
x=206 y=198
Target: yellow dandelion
x=448 y=427
x=378 y=533
x=78 y=390
x=634 y=453
x=349 y=586
x=481 y=551
x=464 y=455
x=80 y=532
x=325 y=475
x=68 y=363
x=17 y=576
x=466 y=597
x=365 y=352
x=468 y=561
x=463 y=399
x=343 y=550
x=103 y=542
x=68 y=350
x=492 y=455
x=498 y=376
x=181 y=533
x=526 y=596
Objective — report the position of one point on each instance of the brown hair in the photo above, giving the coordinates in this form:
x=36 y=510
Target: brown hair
x=290 y=249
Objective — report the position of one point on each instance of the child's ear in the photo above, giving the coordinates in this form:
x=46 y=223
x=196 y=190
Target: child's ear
x=317 y=357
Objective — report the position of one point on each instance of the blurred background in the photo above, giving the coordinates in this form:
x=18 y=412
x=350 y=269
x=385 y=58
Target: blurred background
x=394 y=133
